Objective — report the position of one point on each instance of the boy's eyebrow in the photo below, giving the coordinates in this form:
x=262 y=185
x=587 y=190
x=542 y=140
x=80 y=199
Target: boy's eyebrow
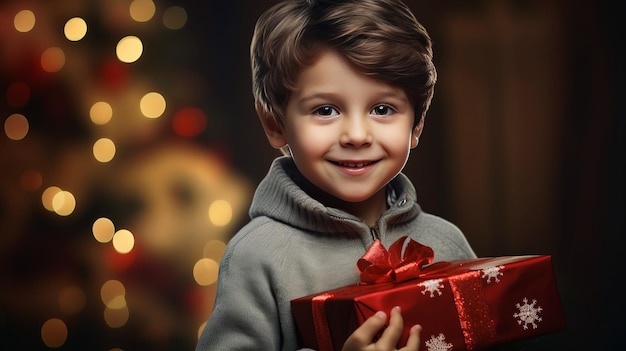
x=330 y=95
x=314 y=96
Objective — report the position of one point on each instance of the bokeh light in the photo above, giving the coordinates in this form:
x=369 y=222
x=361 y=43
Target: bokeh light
x=53 y=59
x=111 y=290
x=205 y=271
x=113 y=295
x=72 y=299
x=31 y=180
x=104 y=150
x=129 y=49
x=201 y=328
x=101 y=113
x=116 y=317
x=103 y=229
x=117 y=303
x=54 y=333
x=220 y=212
x=63 y=203
x=18 y=94
x=152 y=105
x=16 y=126
x=123 y=241
x=24 y=21
x=142 y=10
x=214 y=249
x=48 y=195
x=75 y=29
x=174 y=17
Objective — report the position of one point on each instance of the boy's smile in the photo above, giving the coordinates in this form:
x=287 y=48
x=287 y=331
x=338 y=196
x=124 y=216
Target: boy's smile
x=356 y=167
x=348 y=134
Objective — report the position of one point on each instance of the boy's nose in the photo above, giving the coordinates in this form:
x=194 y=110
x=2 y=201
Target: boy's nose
x=356 y=132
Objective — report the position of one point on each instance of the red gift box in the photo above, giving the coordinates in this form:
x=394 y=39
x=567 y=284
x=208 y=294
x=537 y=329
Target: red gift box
x=461 y=305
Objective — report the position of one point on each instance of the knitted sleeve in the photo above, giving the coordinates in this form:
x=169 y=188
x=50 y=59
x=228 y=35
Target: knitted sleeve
x=245 y=315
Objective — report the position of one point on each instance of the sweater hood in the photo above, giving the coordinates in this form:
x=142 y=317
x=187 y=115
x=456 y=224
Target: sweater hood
x=279 y=196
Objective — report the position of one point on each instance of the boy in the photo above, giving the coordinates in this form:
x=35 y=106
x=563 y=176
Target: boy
x=342 y=88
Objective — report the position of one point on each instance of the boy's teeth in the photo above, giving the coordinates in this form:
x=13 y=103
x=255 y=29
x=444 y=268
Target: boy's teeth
x=350 y=164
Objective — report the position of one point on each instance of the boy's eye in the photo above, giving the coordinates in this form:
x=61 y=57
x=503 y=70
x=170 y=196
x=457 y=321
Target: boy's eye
x=326 y=111
x=382 y=110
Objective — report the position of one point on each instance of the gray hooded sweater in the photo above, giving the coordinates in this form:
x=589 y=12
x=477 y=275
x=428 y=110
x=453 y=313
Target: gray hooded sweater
x=295 y=246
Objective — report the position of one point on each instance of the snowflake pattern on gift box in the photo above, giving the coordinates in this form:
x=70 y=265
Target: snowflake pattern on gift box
x=528 y=314
x=492 y=273
x=438 y=343
x=432 y=286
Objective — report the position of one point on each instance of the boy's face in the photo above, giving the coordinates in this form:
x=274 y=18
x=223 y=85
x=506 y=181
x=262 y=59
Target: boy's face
x=348 y=134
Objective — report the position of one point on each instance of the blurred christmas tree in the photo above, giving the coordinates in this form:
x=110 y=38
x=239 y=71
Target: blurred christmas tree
x=117 y=197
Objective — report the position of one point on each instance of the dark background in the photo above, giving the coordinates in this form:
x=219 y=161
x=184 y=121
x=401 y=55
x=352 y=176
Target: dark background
x=523 y=149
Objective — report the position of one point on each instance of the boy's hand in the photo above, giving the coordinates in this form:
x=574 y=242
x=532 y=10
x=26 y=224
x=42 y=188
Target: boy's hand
x=363 y=337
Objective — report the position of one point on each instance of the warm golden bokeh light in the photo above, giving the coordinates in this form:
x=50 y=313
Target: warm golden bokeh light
x=24 y=21
x=220 y=213
x=72 y=299
x=129 y=49
x=152 y=105
x=63 y=203
x=142 y=10
x=103 y=229
x=75 y=29
x=18 y=94
x=123 y=241
x=110 y=290
x=100 y=113
x=205 y=271
x=214 y=249
x=116 y=317
x=54 y=333
x=48 y=195
x=53 y=59
x=175 y=17
x=117 y=303
x=201 y=328
x=31 y=180
x=104 y=150
x=16 y=126
x=113 y=295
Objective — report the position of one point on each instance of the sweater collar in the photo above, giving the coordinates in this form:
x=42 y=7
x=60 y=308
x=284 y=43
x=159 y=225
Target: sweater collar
x=280 y=197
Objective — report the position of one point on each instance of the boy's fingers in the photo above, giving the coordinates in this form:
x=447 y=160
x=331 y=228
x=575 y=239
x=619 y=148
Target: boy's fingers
x=365 y=333
x=390 y=337
x=413 y=344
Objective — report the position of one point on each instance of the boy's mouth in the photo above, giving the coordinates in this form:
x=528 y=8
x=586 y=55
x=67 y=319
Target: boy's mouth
x=354 y=164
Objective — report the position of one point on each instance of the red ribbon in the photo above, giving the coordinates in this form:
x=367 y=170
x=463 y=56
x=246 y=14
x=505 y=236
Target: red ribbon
x=320 y=322
x=476 y=322
x=406 y=259
x=403 y=261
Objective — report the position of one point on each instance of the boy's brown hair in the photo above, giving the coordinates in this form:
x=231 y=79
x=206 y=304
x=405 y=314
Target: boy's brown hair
x=380 y=38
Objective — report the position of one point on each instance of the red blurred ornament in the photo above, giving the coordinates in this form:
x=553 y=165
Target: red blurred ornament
x=189 y=122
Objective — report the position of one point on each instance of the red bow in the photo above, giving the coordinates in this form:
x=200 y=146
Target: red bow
x=402 y=262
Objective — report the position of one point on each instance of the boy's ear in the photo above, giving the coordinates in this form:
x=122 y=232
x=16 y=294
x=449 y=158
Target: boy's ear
x=417 y=131
x=273 y=130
